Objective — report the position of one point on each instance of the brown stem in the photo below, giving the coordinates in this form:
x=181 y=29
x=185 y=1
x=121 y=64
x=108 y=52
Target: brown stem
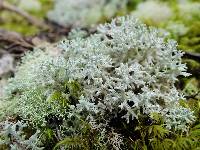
x=194 y=56
x=193 y=96
x=14 y=38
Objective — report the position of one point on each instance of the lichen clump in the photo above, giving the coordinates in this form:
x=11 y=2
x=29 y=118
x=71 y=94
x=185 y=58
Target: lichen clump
x=153 y=12
x=84 y=13
x=124 y=71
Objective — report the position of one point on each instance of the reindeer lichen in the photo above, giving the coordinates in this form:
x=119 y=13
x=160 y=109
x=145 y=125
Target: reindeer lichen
x=124 y=71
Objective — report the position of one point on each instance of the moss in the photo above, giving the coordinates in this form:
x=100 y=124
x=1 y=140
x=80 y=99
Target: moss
x=191 y=40
x=24 y=29
x=191 y=87
x=133 y=4
x=46 y=6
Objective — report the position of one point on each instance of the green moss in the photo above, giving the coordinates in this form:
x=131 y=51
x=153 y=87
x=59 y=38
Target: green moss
x=191 y=40
x=14 y=22
x=46 y=6
x=132 y=4
x=191 y=86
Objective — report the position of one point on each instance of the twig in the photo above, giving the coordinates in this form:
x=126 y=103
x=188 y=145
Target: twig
x=194 y=56
x=193 y=96
x=14 y=43
x=14 y=38
x=59 y=137
x=2 y=51
x=35 y=21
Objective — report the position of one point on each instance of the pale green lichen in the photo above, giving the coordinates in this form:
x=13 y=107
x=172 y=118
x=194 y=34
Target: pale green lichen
x=123 y=71
x=84 y=13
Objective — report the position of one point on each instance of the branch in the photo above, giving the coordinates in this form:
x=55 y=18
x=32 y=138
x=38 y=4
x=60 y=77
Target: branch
x=193 y=96
x=14 y=38
x=194 y=56
x=59 y=137
x=39 y=23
